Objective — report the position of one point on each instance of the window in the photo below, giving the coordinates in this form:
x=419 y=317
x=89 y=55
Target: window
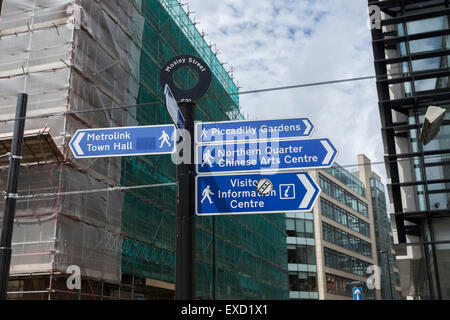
x=301 y=254
x=344 y=197
x=343 y=262
x=343 y=287
x=300 y=228
x=303 y=281
x=344 y=218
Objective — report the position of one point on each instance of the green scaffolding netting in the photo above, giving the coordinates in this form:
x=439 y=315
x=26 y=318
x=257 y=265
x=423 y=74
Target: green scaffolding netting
x=251 y=259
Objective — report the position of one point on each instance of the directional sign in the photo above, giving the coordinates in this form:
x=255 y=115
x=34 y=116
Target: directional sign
x=213 y=132
x=123 y=141
x=254 y=193
x=173 y=108
x=357 y=293
x=265 y=156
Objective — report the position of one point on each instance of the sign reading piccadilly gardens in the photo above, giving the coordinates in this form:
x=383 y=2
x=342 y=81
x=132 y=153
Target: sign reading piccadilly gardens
x=248 y=149
x=210 y=132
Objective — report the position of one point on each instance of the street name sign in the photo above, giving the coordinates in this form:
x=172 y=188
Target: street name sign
x=255 y=193
x=218 y=132
x=123 y=141
x=173 y=108
x=286 y=155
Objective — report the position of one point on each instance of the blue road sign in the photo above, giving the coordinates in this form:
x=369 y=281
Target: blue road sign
x=123 y=141
x=357 y=293
x=255 y=193
x=218 y=132
x=265 y=156
x=173 y=108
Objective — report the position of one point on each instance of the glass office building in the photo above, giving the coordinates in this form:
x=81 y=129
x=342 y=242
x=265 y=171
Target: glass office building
x=390 y=278
x=411 y=46
x=331 y=249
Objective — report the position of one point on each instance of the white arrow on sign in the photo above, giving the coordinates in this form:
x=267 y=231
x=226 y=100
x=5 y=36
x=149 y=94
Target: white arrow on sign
x=330 y=152
x=310 y=191
x=358 y=294
x=76 y=144
x=308 y=127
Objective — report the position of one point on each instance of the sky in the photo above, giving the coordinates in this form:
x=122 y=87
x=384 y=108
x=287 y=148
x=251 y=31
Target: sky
x=286 y=42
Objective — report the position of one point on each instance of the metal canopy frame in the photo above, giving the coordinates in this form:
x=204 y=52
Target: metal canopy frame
x=398 y=12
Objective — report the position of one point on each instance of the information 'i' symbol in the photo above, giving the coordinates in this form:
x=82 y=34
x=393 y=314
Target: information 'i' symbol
x=264 y=186
x=286 y=191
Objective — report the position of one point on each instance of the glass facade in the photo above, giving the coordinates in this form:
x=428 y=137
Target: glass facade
x=302 y=254
x=385 y=243
x=346 y=178
x=344 y=287
x=343 y=262
x=413 y=49
x=346 y=240
x=301 y=257
x=303 y=281
x=300 y=228
x=343 y=217
x=333 y=190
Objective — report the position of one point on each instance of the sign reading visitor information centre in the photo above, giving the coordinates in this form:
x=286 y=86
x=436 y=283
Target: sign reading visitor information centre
x=239 y=194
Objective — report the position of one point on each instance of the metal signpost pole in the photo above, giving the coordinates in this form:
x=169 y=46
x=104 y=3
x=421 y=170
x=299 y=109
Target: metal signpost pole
x=10 y=205
x=185 y=219
x=213 y=257
x=183 y=116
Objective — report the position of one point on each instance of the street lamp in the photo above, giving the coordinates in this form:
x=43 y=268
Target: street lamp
x=389 y=272
x=431 y=125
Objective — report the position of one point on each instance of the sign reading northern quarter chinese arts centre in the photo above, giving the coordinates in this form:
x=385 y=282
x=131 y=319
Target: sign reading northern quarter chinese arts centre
x=265 y=156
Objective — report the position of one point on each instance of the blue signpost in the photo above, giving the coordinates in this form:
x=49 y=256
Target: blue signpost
x=123 y=141
x=265 y=156
x=218 y=132
x=357 y=293
x=255 y=193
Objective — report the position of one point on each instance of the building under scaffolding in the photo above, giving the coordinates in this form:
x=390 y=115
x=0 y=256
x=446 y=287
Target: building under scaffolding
x=94 y=64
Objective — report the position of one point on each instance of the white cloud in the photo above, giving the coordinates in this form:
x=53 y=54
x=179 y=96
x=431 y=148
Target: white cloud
x=285 y=42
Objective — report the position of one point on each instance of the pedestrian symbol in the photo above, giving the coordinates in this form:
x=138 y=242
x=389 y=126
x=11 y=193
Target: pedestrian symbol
x=165 y=139
x=203 y=134
x=207 y=193
x=207 y=157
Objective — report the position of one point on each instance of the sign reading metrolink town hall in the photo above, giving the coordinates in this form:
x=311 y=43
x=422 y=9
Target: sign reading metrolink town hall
x=123 y=141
